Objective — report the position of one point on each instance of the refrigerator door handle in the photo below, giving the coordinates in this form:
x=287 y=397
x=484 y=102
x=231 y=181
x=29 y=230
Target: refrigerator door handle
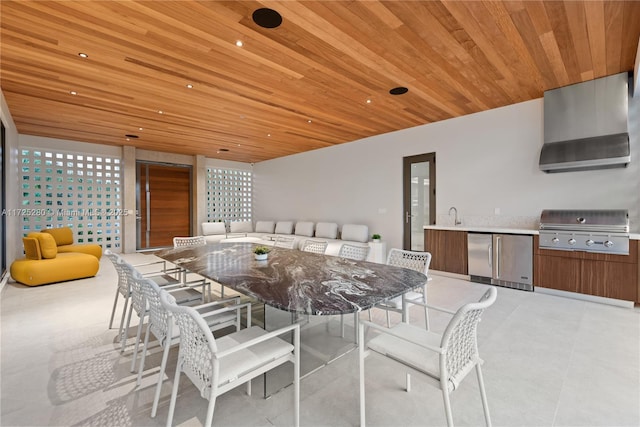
x=497 y=256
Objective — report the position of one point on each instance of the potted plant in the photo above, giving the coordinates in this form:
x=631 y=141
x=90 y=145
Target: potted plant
x=376 y=238
x=261 y=253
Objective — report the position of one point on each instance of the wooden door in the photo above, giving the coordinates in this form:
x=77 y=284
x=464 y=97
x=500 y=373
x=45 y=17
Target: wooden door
x=164 y=204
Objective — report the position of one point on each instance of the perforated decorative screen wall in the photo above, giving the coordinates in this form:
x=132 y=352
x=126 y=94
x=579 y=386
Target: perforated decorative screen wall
x=81 y=191
x=229 y=194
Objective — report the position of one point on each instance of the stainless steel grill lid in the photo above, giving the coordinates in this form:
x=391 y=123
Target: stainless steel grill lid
x=604 y=220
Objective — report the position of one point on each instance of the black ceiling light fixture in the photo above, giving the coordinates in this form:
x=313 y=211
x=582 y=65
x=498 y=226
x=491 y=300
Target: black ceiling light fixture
x=400 y=90
x=267 y=18
x=132 y=136
x=223 y=149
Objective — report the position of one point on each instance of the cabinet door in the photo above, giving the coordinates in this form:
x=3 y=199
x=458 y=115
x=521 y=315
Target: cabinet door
x=455 y=259
x=434 y=243
x=448 y=250
x=558 y=273
x=610 y=279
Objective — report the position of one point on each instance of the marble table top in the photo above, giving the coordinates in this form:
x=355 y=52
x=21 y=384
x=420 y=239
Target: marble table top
x=297 y=281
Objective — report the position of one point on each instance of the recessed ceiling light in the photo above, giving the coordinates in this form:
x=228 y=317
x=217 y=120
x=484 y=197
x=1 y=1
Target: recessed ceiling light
x=189 y=86
x=160 y=112
x=83 y=55
x=239 y=145
x=268 y=134
x=400 y=90
x=128 y=139
x=308 y=121
x=267 y=18
x=368 y=101
x=140 y=129
x=239 y=43
x=73 y=92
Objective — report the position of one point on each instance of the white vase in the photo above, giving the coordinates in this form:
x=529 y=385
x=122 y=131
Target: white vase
x=375 y=240
x=260 y=257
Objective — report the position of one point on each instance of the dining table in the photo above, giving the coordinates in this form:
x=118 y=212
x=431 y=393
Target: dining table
x=300 y=286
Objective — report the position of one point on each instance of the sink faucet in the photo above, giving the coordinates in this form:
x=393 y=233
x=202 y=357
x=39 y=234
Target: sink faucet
x=455 y=221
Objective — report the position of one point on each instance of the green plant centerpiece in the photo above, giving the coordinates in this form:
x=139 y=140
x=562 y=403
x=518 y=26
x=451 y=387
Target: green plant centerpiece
x=261 y=252
x=376 y=237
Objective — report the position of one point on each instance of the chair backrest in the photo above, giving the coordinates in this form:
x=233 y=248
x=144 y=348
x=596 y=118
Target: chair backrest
x=197 y=345
x=460 y=340
x=179 y=242
x=315 y=246
x=123 y=281
x=357 y=253
x=418 y=261
x=158 y=315
x=284 y=242
x=137 y=297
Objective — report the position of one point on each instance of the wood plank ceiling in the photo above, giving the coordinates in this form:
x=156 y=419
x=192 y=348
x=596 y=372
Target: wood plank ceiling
x=319 y=79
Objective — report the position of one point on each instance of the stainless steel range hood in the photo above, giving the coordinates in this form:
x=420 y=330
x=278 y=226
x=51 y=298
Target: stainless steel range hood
x=585 y=126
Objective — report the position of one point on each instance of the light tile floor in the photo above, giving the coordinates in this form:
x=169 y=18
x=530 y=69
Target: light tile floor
x=549 y=361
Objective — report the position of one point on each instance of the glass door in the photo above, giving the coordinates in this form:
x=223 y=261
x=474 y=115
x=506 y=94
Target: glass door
x=419 y=189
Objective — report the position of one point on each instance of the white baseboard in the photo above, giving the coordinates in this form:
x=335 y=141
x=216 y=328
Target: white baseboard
x=585 y=297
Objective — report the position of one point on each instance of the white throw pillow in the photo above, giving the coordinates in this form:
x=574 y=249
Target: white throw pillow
x=355 y=233
x=265 y=227
x=284 y=227
x=241 y=227
x=304 y=228
x=327 y=230
x=213 y=228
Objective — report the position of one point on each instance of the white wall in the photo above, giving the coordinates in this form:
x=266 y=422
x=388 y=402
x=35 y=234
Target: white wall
x=484 y=161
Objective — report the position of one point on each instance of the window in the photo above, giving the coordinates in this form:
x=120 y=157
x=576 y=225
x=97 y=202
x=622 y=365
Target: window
x=81 y=191
x=229 y=194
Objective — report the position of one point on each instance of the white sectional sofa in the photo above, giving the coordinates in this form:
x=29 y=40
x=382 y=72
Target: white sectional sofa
x=266 y=232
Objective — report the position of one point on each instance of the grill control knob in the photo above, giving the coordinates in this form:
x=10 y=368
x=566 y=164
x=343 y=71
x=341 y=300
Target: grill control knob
x=555 y=240
x=608 y=243
x=572 y=241
x=589 y=242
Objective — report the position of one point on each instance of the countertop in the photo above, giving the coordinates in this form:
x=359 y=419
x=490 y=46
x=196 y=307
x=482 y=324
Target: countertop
x=462 y=227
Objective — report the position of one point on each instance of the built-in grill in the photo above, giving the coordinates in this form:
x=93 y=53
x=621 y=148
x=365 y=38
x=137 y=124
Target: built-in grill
x=603 y=231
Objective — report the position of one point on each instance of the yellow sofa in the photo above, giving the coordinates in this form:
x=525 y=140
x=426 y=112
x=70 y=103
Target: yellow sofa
x=43 y=264
x=64 y=241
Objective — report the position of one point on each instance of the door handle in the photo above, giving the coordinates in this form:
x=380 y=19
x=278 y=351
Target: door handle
x=408 y=215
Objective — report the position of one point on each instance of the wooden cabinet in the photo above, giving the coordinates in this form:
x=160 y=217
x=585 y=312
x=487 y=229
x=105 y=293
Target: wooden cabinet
x=610 y=276
x=448 y=250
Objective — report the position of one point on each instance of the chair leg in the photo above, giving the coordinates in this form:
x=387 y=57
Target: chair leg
x=144 y=353
x=113 y=310
x=361 y=373
x=388 y=319
x=210 y=408
x=426 y=312
x=296 y=378
x=163 y=367
x=483 y=396
x=447 y=405
x=135 y=349
x=124 y=313
x=174 y=394
x=125 y=330
x=408 y=381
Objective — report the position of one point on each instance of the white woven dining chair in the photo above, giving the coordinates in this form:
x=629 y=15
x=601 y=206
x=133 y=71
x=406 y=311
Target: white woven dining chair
x=217 y=314
x=216 y=366
x=445 y=359
x=179 y=242
x=314 y=246
x=418 y=261
x=356 y=253
x=121 y=290
x=284 y=242
x=183 y=294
